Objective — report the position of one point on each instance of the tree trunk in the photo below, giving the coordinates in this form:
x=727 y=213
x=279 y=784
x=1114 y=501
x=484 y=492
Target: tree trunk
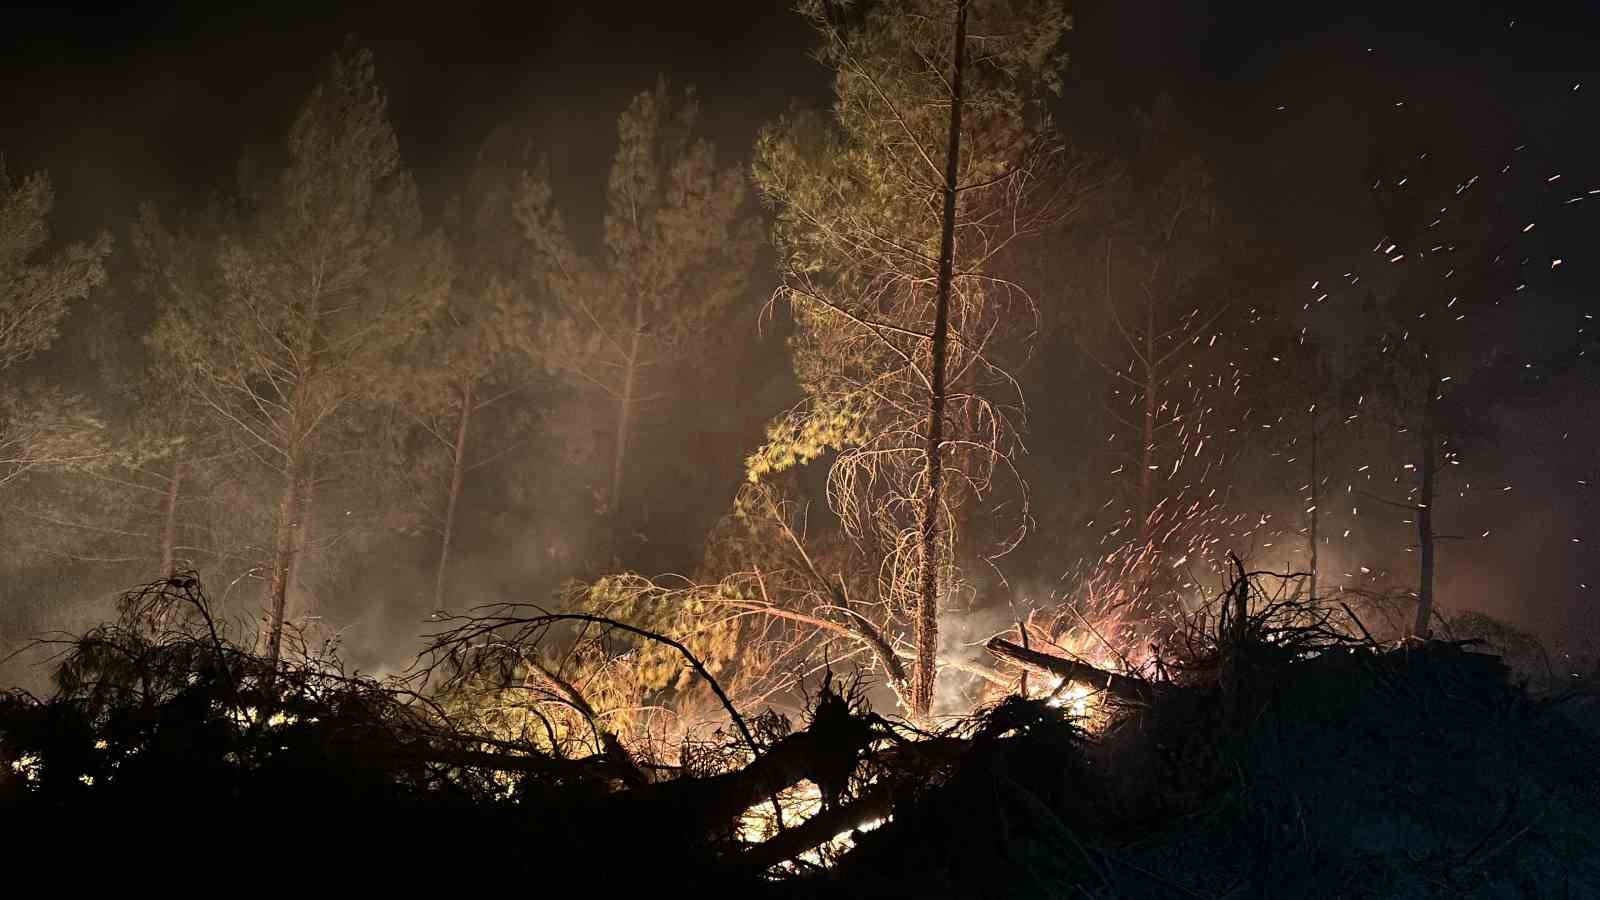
x=283 y=535
x=169 y=527
x=630 y=378
x=1119 y=686
x=306 y=498
x=1316 y=495
x=1144 y=568
x=927 y=631
x=1430 y=460
x=1229 y=675
x=1147 y=457
x=287 y=536
x=876 y=802
x=457 y=465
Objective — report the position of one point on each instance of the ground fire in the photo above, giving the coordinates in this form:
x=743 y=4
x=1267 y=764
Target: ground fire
x=862 y=448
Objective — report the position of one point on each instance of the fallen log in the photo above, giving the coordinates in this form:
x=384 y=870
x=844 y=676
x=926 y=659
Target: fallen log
x=1121 y=687
x=825 y=752
x=876 y=802
x=598 y=767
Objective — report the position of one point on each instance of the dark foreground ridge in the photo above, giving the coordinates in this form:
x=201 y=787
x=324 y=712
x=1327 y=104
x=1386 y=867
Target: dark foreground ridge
x=1261 y=769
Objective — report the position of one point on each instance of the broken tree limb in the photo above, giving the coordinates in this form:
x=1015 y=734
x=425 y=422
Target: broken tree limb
x=825 y=752
x=876 y=802
x=857 y=626
x=977 y=669
x=1120 y=686
x=598 y=767
x=610 y=744
x=479 y=627
x=855 y=623
x=869 y=633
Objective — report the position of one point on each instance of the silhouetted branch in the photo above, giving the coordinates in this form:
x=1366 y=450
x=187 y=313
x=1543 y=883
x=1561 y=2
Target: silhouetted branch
x=530 y=629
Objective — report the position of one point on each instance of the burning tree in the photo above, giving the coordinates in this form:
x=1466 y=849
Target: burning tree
x=892 y=217
x=328 y=271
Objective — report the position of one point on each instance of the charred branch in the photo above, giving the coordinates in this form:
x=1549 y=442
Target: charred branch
x=1120 y=686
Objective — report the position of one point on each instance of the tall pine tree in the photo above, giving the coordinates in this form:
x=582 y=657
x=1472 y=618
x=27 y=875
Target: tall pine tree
x=902 y=334
x=327 y=273
x=676 y=252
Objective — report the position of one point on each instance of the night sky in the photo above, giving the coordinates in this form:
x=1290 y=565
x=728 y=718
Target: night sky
x=154 y=102
x=182 y=86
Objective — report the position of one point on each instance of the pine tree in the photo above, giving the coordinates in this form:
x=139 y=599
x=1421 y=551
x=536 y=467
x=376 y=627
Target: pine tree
x=462 y=365
x=901 y=354
x=37 y=286
x=675 y=254
x=320 y=281
x=46 y=431
x=1456 y=252
x=1150 y=306
x=40 y=427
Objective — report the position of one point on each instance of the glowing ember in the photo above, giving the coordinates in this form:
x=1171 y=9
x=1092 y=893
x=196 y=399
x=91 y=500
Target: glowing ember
x=1077 y=699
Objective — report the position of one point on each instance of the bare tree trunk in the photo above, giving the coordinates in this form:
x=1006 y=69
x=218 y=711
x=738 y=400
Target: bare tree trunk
x=1147 y=458
x=1316 y=495
x=1229 y=676
x=927 y=631
x=630 y=377
x=1143 y=573
x=1059 y=667
x=169 y=527
x=283 y=534
x=1430 y=460
x=457 y=466
x=305 y=498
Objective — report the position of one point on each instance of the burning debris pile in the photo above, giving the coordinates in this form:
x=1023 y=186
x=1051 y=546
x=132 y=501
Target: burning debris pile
x=1267 y=753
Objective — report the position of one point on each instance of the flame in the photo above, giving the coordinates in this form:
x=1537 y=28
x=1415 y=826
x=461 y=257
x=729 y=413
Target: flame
x=1078 y=699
